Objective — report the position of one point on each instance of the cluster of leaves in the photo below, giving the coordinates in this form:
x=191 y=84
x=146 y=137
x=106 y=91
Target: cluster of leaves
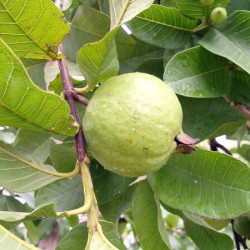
x=173 y=40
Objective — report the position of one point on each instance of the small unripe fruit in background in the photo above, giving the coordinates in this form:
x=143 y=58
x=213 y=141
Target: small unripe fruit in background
x=218 y=15
x=207 y=2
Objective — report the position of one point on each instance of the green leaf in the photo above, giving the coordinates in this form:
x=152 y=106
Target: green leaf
x=148 y=219
x=201 y=117
x=33 y=143
x=14 y=218
x=63 y=155
x=9 y=203
x=98 y=61
x=112 y=210
x=22 y=104
x=64 y=194
x=32 y=29
x=35 y=69
x=152 y=66
x=195 y=9
x=88 y=26
x=168 y=3
x=238 y=5
x=123 y=11
x=32 y=232
x=207 y=239
x=229 y=39
x=132 y=52
x=107 y=185
x=197 y=73
x=22 y=172
x=10 y=241
x=240 y=87
x=203 y=235
x=205 y=183
x=162 y=26
x=75 y=239
x=110 y=231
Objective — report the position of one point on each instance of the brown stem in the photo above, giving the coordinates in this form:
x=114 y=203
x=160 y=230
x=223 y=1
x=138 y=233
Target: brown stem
x=214 y=145
x=242 y=108
x=68 y=91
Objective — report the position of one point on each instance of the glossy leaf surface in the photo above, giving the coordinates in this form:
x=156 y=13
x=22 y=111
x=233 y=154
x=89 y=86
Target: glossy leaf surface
x=197 y=73
x=229 y=39
x=162 y=26
x=204 y=183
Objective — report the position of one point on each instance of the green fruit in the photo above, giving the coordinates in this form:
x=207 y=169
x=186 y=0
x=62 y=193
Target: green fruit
x=131 y=122
x=207 y=2
x=242 y=226
x=218 y=15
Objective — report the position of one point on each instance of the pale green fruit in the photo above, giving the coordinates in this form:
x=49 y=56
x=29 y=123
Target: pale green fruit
x=218 y=15
x=207 y=2
x=131 y=122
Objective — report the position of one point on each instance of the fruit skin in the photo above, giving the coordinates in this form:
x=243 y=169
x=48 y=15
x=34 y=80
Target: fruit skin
x=242 y=226
x=131 y=122
x=207 y=2
x=218 y=15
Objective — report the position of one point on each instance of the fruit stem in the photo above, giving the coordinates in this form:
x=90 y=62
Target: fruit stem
x=88 y=189
x=207 y=15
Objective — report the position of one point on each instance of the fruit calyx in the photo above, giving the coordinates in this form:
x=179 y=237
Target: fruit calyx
x=185 y=143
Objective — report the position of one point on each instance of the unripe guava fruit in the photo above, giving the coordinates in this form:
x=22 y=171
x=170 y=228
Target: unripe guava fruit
x=131 y=122
x=242 y=226
x=207 y=2
x=218 y=15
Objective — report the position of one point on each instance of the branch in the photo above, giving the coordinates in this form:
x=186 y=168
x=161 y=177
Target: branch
x=238 y=239
x=214 y=145
x=243 y=109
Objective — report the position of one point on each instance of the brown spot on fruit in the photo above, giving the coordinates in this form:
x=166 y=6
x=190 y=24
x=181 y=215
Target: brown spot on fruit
x=130 y=141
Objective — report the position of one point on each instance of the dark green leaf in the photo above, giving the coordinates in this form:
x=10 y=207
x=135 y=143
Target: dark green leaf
x=110 y=231
x=207 y=239
x=112 y=210
x=201 y=117
x=35 y=69
x=153 y=67
x=75 y=239
x=132 y=52
x=238 y=5
x=107 y=185
x=162 y=26
x=63 y=155
x=195 y=9
x=197 y=73
x=204 y=183
x=229 y=39
x=201 y=233
x=148 y=219
x=240 y=87
x=64 y=194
